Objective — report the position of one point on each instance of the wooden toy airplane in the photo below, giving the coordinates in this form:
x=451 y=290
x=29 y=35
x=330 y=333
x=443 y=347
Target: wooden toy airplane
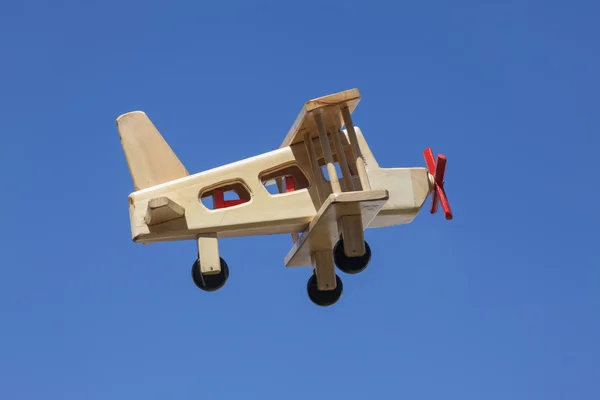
x=328 y=189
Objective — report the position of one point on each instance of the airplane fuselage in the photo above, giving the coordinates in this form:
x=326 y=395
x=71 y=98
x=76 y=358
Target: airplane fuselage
x=262 y=212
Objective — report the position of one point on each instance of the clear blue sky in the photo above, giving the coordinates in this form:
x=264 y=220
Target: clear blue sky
x=501 y=303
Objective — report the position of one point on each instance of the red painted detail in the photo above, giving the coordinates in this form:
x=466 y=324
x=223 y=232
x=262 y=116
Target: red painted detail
x=438 y=169
x=220 y=202
x=290 y=184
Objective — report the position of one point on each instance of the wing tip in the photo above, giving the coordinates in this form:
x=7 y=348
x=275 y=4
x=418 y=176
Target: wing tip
x=130 y=114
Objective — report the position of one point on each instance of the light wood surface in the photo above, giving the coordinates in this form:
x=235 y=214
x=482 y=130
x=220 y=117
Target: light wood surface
x=352 y=230
x=322 y=233
x=208 y=253
x=162 y=209
x=314 y=168
x=167 y=203
x=150 y=159
x=264 y=213
x=321 y=185
x=322 y=263
x=326 y=148
x=357 y=157
x=329 y=109
x=342 y=160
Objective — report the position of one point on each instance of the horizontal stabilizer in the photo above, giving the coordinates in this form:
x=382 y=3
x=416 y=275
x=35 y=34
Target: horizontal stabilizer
x=163 y=209
x=150 y=159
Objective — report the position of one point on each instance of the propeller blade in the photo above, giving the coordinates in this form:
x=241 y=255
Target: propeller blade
x=434 y=200
x=445 y=203
x=430 y=160
x=438 y=169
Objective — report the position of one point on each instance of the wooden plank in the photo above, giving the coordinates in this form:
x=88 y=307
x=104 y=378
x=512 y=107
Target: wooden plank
x=357 y=157
x=353 y=234
x=330 y=109
x=162 y=209
x=322 y=233
x=322 y=262
x=208 y=251
x=343 y=162
x=315 y=170
x=326 y=149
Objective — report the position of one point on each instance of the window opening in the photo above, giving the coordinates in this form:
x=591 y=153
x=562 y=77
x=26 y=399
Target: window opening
x=225 y=196
x=284 y=180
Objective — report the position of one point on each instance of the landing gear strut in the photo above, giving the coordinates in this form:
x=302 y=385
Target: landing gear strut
x=211 y=281
x=350 y=265
x=324 y=298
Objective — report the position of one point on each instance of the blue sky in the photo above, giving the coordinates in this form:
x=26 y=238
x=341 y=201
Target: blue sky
x=502 y=302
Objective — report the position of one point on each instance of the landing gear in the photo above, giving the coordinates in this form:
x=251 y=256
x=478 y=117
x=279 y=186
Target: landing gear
x=324 y=298
x=210 y=282
x=350 y=265
x=324 y=262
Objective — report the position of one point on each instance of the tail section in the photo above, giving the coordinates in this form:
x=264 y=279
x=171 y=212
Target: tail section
x=150 y=159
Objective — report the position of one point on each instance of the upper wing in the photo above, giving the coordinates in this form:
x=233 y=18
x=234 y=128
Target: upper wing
x=330 y=108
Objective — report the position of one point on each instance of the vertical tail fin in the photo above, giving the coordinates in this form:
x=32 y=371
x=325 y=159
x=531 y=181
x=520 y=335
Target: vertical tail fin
x=150 y=159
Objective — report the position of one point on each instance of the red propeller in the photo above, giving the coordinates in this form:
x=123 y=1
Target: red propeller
x=437 y=170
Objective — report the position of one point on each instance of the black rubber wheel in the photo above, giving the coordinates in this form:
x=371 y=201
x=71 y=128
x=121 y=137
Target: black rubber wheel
x=350 y=265
x=327 y=297
x=210 y=283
